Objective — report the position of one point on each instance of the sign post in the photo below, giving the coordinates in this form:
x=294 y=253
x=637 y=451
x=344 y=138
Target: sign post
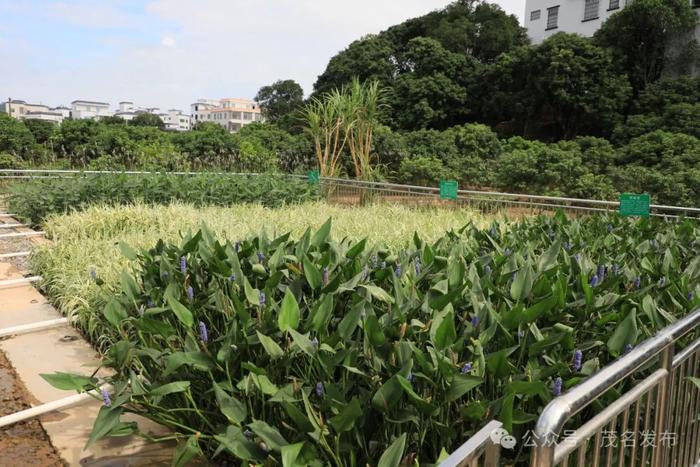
x=314 y=177
x=634 y=205
x=448 y=189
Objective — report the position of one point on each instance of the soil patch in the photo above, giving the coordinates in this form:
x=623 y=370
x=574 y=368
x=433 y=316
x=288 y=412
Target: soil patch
x=24 y=443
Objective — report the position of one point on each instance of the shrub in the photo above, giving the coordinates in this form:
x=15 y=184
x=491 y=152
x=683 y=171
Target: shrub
x=330 y=353
x=35 y=199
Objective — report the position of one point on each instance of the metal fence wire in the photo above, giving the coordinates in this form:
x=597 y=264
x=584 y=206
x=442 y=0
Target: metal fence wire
x=654 y=418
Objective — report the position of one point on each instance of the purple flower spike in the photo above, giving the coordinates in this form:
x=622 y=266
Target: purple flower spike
x=183 y=264
x=232 y=278
x=314 y=342
x=487 y=269
x=93 y=273
x=578 y=357
x=691 y=296
x=105 y=398
x=474 y=321
x=418 y=267
x=398 y=270
x=506 y=252
x=190 y=293
x=567 y=246
x=662 y=281
x=248 y=435
x=594 y=281
x=558 y=383
x=262 y=299
x=628 y=348
x=325 y=276
x=601 y=272
x=150 y=303
x=319 y=389
x=637 y=282
x=261 y=256
x=203 y=334
x=466 y=368
x=610 y=227
x=577 y=257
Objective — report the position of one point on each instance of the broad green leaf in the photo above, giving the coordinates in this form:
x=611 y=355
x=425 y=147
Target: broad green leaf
x=625 y=333
x=378 y=293
x=251 y=294
x=185 y=452
x=322 y=313
x=69 y=381
x=345 y=420
x=461 y=384
x=418 y=401
x=394 y=453
x=129 y=286
x=115 y=313
x=522 y=284
x=198 y=360
x=270 y=435
x=442 y=331
x=181 y=311
x=170 y=388
x=356 y=249
x=289 y=312
x=312 y=274
x=322 y=234
x=231 y=407
x=388 y=395
x=303 y=342
x=127 y=251
x=270 y=346
x=374 y=332
x=290 y=454
x=234 y=442
x=107 y=419
x=298 y=417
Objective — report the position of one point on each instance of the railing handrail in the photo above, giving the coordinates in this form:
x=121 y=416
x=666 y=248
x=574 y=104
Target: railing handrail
x=561 y=409
x=473 y=447
x=361 y=183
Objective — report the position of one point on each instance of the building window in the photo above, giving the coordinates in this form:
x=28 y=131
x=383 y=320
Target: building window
x=534 y=15
x=591 y=10
x=614 y=5
x=552 y=17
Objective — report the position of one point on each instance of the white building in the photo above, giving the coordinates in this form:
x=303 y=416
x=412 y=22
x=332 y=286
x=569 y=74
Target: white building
x=175 y=120
x=231 y=113
x=22 y=110
x=544 y=18
x=89 y=110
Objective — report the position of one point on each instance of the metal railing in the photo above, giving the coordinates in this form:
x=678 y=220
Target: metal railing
x=658 y=416
x=353 y=192
x=481 y=449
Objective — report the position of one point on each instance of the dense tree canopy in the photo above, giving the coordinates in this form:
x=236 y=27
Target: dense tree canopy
x=148 y=119
x=279 y=101
x=650 y=37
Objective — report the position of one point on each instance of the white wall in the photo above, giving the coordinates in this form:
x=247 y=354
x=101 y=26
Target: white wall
x=570 y=17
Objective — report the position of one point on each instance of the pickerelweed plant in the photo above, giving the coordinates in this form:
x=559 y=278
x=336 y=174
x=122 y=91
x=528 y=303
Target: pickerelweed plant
x=323 y=352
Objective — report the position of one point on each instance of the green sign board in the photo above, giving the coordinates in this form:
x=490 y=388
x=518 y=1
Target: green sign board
x=314 y=177
x=634 y=205
x=448 y=189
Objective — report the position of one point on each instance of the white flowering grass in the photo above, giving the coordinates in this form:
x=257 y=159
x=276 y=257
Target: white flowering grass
x=83 y=241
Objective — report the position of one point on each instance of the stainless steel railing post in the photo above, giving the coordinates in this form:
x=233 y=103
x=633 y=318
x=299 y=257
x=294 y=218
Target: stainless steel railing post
x=663 y=405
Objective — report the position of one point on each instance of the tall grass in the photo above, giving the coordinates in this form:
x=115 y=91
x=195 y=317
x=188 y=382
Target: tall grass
x=89 y=240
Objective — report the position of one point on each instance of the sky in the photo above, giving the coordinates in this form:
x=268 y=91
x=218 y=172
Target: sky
x=169 y=53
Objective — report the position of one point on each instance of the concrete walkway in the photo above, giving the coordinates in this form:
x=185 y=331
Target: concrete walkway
x=63 y=349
